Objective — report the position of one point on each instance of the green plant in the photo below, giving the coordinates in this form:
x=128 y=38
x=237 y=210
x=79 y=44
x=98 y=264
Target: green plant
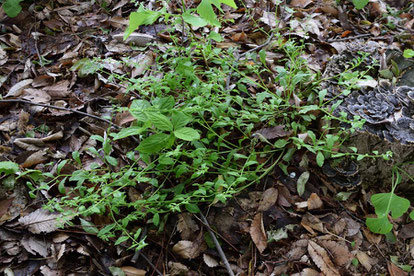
x=12 y=7
x=360 y=4
x=389 y=203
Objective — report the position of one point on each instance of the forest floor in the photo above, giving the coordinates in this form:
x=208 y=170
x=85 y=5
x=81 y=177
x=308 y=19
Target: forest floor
x=188 y=149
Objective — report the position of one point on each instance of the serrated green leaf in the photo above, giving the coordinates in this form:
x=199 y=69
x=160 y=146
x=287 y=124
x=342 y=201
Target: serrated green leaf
x=160 y=121
x=180 y=119
x=8 y=167
x=138 y=108
x=89 y=227
x=12 y=7
x=126 y=132
x=187 y=134
x=154 y=143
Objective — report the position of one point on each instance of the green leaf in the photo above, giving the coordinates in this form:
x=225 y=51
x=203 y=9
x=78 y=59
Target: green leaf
x=412 y=215
x=76 y=156
x=156 y=219
x=61 y=186
x=142 y=17
x=360 y=4
x=308 y=108
x=126 y=132
x=205 y=10
x=187 y=134
x=137 y=109
x=194 y=20
x=12 y=7
x=408 y=53
x=8 y=167
x=111 y=160
x=322 y=95
x=281 y=143
x=180 y=119
x=215 y=36
x=380 y=225
x=154 y=143
x=89 y=227
x=121 y=239
x=116 y=271
x=302 y=180
x=160 y=121
x=229 y=3
x=320 y=159
x=192 y=208
x=385 y=202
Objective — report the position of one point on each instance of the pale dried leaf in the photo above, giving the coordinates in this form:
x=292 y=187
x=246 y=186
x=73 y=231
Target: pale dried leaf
x=338 y=251
x=273 y=132
x=314 y=202
x=35 y=246
x=176 y=269
x=40 y=221
x=137 y=39
x=17 y=89
x=257 y=232
x=186 y=249
x=210 y=261
x=47 y=271
x=269 y=199
x=35 y=95
x=321 y=259
x=366 y=261
x=371 y=237
x=3 y=56
x=133 y=271
x=309 y=221
x=307 y=272
x=58 y=90
x=35 y=158
x=395 y=270
x=300 y=3
x=269 y=18
x=186 y=225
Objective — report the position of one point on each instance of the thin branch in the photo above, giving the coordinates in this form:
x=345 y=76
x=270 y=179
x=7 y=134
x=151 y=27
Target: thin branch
x=62 y=108
x=216 y=243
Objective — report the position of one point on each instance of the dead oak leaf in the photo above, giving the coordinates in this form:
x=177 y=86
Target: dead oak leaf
x=257 y=232
x=321 y=258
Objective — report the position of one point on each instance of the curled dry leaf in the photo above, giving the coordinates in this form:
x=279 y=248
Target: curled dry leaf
x=273 y=132
x=17 y=89
x=310 y=223
x=257 y=232
x=35 y=158
x=321 y=258
x=210 y=261
x=35 y=246
x=40 y=221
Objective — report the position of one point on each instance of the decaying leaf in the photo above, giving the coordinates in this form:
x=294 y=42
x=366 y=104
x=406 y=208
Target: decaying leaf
x=186 y=225
x=314 y=202
x=40 y=221
x=321 y=258
x=273 y=132
x=339 y=252
x=257 y=232
x=35 y=246
x=187 y=249
x=210 y=261
x=269 y=199
x=366 y=261
x=133 y=271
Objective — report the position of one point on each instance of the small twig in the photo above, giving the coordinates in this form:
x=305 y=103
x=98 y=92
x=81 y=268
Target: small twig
x=348 y=38
x=62 y=108
x=216 y=243
x=151 y=264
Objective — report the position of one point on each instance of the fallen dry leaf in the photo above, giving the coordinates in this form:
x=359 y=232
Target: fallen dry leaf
x=40 y=221
x=210 y=261
x=321 y=258
x=17 y=89
x=395 y=270
x=307 y=272
x=273 y=132
x=366 y=261
x=314 y=202
x=300 y=3
x=257 y=232
x=339 y=252
x=269 y=198
x=186 y=225
x=187 y=249
x=133 y=271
